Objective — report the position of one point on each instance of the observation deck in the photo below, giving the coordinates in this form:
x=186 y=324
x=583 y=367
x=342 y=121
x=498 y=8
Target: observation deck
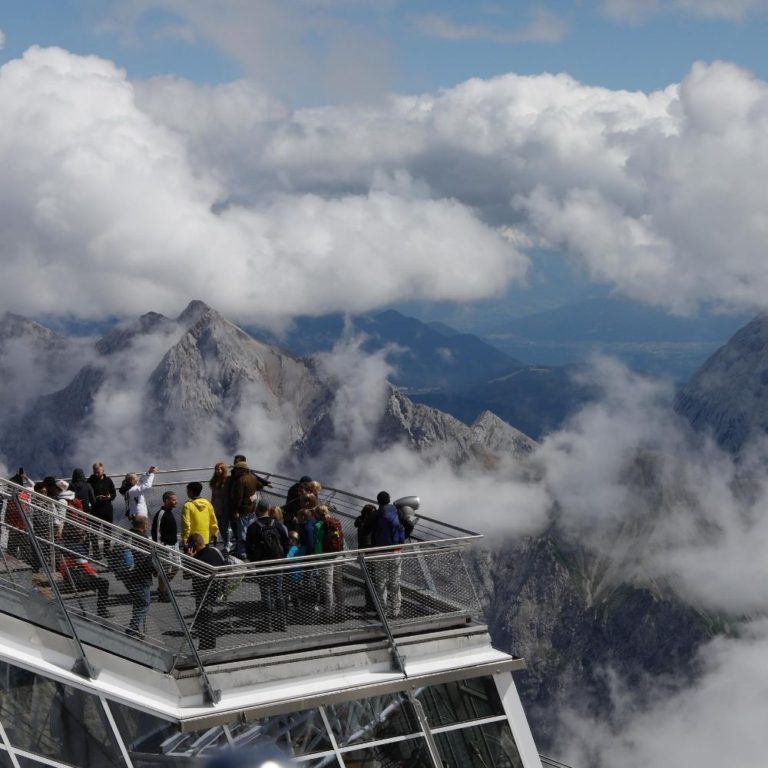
x=222 y=650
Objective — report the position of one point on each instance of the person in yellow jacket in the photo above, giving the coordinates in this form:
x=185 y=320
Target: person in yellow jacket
x=197 y=515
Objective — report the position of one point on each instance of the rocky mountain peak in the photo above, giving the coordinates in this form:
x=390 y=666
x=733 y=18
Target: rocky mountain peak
x=499 y=437
x=121 y=336
x=193 y=312
x=728 y=395
x=14 y=326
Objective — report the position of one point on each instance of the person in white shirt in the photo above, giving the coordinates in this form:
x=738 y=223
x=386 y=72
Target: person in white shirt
x=135 y=500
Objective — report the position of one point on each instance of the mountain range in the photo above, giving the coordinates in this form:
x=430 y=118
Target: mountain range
x=423 y=357
x=458 y=373
x=169 y=387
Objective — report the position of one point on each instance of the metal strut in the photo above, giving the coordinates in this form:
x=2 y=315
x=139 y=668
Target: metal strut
x=396 y=657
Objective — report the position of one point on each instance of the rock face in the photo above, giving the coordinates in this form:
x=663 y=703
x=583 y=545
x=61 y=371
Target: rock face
x=540 y=608
x=728 y=395
x=213 y=369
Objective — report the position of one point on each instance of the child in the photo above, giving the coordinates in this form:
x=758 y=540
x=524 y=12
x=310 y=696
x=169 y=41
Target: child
x=297 y=572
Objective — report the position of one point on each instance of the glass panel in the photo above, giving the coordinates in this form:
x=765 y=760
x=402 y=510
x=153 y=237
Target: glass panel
x=329 y=761
x=460 y=701
x=412 y=753
x=27 y=762
x=382 y=717
x=5 y=760
x=55 y=720
x=297 y=733
x=491 y=744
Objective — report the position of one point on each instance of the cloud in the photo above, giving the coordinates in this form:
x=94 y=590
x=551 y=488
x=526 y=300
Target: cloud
x=544 y=27
x=638 y=10
x=111 y=208
x=657 y=504
x=719 y=720
x=658 y=194
x=354 y=458
x=140 y=194
x=285 y=45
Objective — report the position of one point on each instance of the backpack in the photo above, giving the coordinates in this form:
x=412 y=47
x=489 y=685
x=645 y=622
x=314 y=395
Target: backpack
x=398 y=531
x=264 y=543
x=120 y=561
x=333 y=535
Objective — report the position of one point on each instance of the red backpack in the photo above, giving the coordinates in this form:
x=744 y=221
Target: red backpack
x=333 y=535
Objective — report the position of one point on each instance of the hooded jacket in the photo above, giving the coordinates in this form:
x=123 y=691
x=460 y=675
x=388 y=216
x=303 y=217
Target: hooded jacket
x=198 y=516
x=82 y=490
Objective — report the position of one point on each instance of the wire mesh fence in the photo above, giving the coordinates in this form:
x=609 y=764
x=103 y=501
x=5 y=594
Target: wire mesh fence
x=114 y=581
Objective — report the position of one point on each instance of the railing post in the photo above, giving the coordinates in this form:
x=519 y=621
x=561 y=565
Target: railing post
x=211 y=694
x=396 y=657
x=82 y=666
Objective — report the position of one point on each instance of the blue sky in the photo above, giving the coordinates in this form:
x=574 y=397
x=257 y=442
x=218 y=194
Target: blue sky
x=415 y=46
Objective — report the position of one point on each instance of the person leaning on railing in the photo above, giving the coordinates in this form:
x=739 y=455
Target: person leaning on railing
x=204 y=597
x=138 y=581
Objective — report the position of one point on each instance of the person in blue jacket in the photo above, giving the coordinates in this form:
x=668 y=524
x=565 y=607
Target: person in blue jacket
x=388 y=531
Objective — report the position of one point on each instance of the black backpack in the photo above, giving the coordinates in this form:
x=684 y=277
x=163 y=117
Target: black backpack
x=263 y=541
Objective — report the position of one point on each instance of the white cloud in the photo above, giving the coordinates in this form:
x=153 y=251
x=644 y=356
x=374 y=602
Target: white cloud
x=141 y=195
x=108 y=205
x=544 y=27
x=718 y=720
x=638 y=10
x=354 y=459
x=655 y=503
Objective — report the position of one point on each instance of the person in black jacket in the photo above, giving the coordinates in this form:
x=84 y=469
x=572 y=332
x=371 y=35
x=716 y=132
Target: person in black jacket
x=82 y=490
x=165 y=530
x=104 y=494
x=204 y=597
x=293 y=502
x=139 y=582
x=267 y=539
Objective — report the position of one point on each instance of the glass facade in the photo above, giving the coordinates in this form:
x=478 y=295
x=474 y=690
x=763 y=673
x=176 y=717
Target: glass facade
x=490 y=744
x=460 y=701
x=464 y=721
x=55 y=720
x=411 y=752
x=356 y=722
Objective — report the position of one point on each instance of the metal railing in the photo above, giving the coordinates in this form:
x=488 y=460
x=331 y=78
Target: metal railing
x=171 y=611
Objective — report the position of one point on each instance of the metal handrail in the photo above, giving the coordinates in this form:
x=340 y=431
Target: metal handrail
x=290 y=481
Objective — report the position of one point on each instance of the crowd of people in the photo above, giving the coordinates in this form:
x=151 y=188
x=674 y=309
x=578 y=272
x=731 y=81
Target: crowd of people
x=233 y=522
